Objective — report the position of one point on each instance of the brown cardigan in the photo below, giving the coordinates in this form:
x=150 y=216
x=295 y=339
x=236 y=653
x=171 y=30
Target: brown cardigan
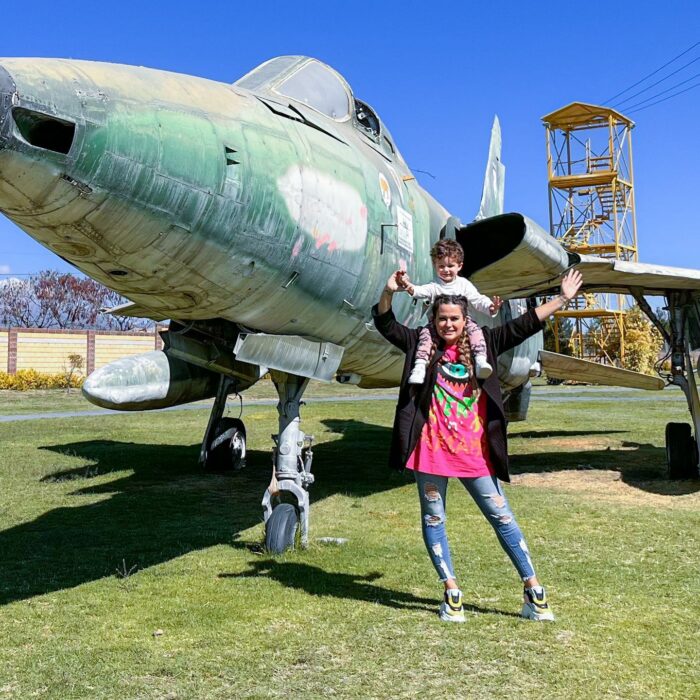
x=414 y=399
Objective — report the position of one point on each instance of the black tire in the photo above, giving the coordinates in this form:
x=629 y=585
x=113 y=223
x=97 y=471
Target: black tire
x=681 y=452
x=227 y=451
x=281 y=528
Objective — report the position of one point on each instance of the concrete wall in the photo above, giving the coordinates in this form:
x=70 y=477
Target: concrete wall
x=48 y=350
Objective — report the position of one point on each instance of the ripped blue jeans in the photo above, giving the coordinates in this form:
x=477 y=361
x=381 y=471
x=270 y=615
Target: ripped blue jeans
x=489 y=497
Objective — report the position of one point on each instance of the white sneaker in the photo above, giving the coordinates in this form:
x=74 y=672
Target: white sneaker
x=535 y=606
x=417 y=375
x=483 y=368
x=452 y=609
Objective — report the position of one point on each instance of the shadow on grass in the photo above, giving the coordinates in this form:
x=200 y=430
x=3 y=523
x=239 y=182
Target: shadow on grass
x=318 y=582
x=561 y=433
x=160 y=505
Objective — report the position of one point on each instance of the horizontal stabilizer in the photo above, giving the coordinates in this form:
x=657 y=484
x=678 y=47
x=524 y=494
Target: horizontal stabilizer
x=564 y=367
x=134 y=310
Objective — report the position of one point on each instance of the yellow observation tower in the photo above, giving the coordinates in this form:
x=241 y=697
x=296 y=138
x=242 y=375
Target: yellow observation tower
x=591 y=212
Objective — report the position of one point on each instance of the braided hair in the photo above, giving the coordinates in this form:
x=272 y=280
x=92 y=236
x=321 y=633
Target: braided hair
x=464 y=353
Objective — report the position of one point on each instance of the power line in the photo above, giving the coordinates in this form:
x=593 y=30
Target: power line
x=663 y=92
x=666 y=98
x=627 y=99
x=652 y=73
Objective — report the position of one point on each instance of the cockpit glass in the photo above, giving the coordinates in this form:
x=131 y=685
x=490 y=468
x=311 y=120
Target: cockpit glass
x=266 y=72
x=367 y=119
x=319 y=87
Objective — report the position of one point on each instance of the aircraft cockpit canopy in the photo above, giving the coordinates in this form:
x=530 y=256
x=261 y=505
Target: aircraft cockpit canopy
x=313 y=84
x=304 y=80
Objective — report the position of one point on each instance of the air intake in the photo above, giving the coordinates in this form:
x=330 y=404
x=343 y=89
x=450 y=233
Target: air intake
x=43 y=130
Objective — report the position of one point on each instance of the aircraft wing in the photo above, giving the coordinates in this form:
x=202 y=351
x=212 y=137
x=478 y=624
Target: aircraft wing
x=601 y=275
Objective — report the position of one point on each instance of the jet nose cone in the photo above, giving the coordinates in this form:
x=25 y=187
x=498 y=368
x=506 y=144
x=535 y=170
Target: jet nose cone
x=7 y=90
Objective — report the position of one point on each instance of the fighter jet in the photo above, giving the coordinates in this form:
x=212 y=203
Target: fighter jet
x=262 y=219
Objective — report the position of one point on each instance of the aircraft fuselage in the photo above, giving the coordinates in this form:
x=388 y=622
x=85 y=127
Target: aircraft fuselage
x=201 y=200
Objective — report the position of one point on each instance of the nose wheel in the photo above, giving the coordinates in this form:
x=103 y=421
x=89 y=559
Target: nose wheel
x=282 y=528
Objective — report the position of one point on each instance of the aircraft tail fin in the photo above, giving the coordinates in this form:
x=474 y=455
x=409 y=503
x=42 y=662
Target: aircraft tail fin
x=493 y=194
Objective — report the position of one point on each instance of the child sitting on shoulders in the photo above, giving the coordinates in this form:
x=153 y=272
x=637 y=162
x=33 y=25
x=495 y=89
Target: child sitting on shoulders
x=448 y=258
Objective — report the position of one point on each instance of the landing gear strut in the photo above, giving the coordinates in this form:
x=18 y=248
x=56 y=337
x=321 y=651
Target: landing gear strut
x=224 y=444
x=681 y=446
x=286 y=503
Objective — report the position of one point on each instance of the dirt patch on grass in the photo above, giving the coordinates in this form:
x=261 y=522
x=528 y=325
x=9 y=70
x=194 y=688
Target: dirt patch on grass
x=584 y=443
x=608 y=485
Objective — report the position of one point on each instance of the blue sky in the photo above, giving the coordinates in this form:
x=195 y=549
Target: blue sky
x=436 y=73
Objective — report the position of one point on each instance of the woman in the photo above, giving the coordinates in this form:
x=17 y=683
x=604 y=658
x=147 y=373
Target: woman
x=454 y=425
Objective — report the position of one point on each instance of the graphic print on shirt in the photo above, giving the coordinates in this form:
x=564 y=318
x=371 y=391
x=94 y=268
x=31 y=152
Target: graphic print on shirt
x=454 y=400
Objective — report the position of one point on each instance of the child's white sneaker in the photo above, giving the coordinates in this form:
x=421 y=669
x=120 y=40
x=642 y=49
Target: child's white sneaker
x=482 y=367
x=417 y=375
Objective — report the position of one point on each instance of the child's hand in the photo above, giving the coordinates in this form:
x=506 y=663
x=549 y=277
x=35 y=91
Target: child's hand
x=496 y=304
x=402 y=279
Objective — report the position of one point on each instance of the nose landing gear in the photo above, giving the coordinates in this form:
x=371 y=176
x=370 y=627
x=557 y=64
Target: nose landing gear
x=286 y=500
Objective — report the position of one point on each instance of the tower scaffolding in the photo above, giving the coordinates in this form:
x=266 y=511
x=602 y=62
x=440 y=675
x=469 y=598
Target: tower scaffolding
x=591 y=212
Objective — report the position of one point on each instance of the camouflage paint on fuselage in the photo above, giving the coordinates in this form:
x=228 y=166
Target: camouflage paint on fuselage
x=202 y=200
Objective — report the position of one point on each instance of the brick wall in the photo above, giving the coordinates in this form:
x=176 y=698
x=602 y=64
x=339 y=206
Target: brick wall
x=48 y=350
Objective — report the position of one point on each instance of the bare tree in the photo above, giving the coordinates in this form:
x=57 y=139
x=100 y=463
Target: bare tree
x=52 y=299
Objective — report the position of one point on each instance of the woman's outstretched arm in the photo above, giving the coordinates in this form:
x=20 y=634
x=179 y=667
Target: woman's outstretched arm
x=396 y=333
x=392 y=286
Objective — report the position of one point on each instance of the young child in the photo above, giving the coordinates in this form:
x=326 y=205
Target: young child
x=448 y=258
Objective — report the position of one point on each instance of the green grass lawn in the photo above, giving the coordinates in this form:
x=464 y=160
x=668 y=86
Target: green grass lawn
x=127 y=573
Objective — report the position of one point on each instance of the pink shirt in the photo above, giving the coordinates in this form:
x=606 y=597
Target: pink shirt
x=453 y=441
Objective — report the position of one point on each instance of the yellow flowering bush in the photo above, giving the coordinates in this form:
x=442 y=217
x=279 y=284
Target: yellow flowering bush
x=27 y=379
x=642 y=342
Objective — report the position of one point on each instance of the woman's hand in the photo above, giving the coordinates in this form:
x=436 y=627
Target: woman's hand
x=393 y=284
x=570 y=284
